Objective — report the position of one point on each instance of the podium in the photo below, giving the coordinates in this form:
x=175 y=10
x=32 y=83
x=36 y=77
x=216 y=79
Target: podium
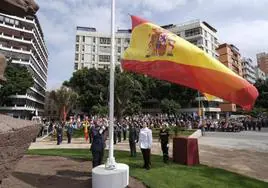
x=185 y=151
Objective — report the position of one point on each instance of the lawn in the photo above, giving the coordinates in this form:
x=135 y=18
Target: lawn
x=167 y=175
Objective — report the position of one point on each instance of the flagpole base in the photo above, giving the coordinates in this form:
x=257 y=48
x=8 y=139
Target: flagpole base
x=104 y=178
x=110 y=164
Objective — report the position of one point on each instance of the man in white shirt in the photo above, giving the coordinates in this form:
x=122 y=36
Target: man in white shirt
x=145 y=143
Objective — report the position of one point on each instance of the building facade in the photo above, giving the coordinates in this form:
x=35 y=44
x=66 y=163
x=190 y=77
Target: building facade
x=260 y=75
x=249 y=72
x=262 y=60
x=50 y=111
x=230 y=56
x=22 y=41
x=198 y=33
x=93 y=49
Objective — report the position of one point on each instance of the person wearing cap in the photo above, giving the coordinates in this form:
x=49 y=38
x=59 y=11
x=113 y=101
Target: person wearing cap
x=132 y=138
x=145 y=143
x=164 y=139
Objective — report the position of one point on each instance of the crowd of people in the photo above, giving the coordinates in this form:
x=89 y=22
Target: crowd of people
x=139 y=128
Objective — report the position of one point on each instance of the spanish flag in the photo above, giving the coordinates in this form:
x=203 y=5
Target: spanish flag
x=158 y=53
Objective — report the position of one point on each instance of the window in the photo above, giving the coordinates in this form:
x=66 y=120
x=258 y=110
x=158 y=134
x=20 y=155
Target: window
x=193 y=32
x=1 y=18
x=206 y=43
x=77 y=38
x=206 y=33
x=104 y=58
x=93 y=57
x=105 y=40
x=76 y=66
x=83 y=48
x=105 y=49
x=118 y=41
x=94 y=39
x=119 y=49
x=76 y=57
x=94 y=48
x=83 y=39
x=127 y=41
x=77 y=47
x=82 y=57
x=118 y=58
x=82 y=65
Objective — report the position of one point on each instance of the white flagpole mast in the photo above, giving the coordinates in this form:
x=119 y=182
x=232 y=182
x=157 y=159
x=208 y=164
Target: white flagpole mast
x=111 y=164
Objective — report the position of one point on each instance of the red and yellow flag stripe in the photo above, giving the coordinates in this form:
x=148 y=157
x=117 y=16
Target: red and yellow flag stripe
x=159 y=53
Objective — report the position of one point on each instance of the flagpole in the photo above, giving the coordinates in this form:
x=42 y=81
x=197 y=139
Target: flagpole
x=111 y=164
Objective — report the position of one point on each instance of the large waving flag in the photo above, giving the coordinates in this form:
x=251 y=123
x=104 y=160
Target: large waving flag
x=161 y=54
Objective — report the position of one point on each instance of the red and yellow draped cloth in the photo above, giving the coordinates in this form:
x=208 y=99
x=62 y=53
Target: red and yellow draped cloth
x=158 y=53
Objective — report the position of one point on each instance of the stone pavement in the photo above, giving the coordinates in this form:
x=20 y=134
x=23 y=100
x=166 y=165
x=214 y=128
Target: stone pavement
x=245 y=152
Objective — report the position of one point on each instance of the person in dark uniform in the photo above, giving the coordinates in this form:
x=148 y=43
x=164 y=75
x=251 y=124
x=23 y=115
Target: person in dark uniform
x=70 y=127
x=119 y=132
x=59 y=131
x=125 y=131
x=164 y=139
x=133 y=139
x=98 y=144
x=259 y=125
x=115 y=134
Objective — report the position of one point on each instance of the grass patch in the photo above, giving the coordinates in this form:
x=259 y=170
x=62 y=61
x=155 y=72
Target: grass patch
x=166 y=175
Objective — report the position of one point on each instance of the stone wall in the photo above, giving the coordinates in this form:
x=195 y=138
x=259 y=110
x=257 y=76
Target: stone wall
x=15 y=138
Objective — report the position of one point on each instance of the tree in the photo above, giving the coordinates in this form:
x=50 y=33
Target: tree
x=128 y=94
x=19 y=80
x=170 y=107
x=262 y=100
x=64 y=98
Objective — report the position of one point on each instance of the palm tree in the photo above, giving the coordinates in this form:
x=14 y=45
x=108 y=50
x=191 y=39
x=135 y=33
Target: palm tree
x=65 y=99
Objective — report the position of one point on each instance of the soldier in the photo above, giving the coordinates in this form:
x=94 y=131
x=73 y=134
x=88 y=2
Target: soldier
x=98 y=144
x=164 y=138
x=125 y=130
x=119 y=132
x=132 y=138
x=59 y=133
x=115 y=134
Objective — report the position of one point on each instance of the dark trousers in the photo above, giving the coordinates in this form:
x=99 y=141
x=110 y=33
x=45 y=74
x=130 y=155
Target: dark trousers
x=69 y=136
x=115 y=138
x=97 y=158
x=164 y=147
x=125 y=135
x=119 y=137
x=59 y=139
x=90 y=138
x=146 y=158
x=132 y=145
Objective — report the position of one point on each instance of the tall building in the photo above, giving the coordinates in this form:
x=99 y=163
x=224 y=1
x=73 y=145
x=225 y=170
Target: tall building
x=22 y=41
x=230 y=56
x=198 y=33
x=93 y=49
x=260 y=75
x=249 y=70
x=262 y=60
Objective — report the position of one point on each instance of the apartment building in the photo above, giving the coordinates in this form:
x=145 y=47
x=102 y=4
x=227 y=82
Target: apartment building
x=260 y=75
x=249 y=72
x=262 y=60
x=93 y=49
x=199 y=33
x=22 y=41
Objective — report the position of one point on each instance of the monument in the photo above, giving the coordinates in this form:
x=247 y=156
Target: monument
x=15 y=135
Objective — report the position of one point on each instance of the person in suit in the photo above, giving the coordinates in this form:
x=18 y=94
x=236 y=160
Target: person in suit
x=59 y=132
x=132 y=138
x=145 y=143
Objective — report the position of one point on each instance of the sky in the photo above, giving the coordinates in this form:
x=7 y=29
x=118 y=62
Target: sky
x=243 y=23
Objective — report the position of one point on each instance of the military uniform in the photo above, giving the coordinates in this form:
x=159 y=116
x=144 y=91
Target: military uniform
x=164 y=138
x=98 y=146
